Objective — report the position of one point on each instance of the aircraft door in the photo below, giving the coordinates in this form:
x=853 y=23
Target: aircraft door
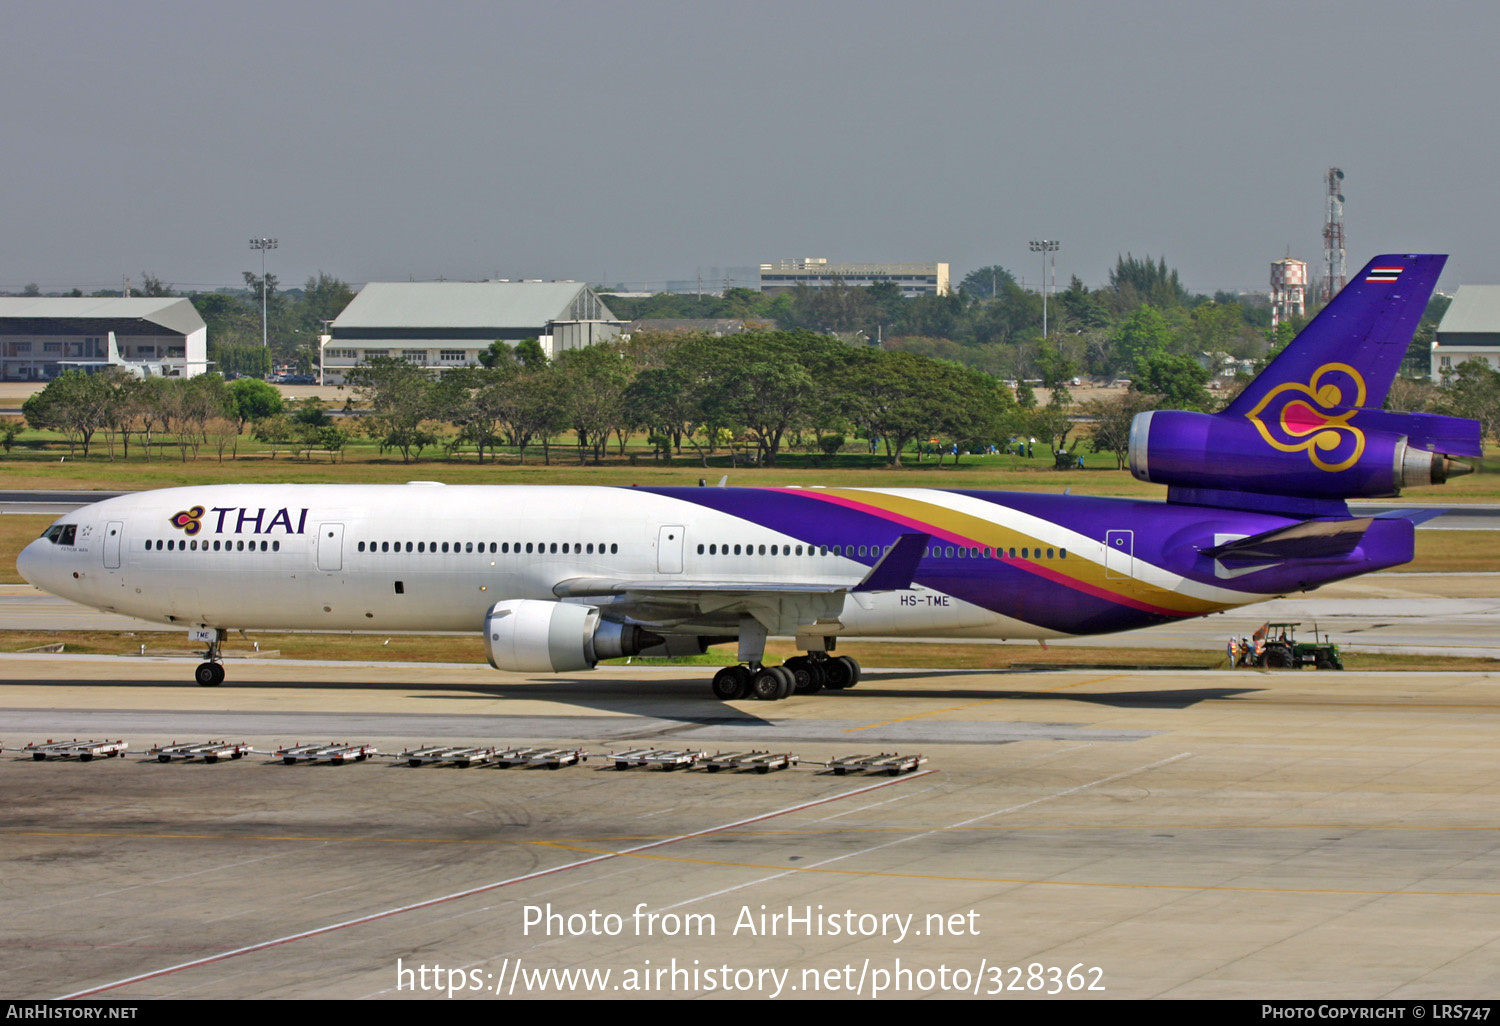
x=112 y=532
x=669 y=549
x=330 y=546
x=1118 y=553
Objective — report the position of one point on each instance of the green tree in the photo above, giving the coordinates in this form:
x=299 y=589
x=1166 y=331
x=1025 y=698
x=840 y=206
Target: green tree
x=401 y=397
x=1111 y=422
x=1144 y=334
x=986 y=282
x=74 y=403
x=592 y=389
x=1140 y=281
x=253 y=400
x=1178 y=380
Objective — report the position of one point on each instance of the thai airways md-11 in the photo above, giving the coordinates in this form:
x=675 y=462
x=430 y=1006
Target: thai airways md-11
x=558 y=578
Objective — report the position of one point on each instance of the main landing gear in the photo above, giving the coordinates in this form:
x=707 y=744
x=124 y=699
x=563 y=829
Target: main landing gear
x=211 y=673
x=803 y=675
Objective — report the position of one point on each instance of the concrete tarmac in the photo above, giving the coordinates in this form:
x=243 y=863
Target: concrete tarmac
x=1179 y=834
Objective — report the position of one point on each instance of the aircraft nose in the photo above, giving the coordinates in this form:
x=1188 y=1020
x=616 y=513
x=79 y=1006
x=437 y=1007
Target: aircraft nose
x=31 y=563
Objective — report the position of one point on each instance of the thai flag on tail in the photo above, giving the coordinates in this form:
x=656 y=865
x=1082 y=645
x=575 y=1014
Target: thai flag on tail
x=1383 y=274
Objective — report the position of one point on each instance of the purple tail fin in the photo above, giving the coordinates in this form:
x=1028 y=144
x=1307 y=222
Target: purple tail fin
x=1367 y=327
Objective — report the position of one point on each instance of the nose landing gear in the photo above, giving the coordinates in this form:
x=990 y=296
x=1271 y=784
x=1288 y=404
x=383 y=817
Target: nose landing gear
x=211 y=673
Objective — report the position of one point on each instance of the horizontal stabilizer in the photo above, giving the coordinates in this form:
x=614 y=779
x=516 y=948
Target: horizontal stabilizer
x=1452 y=436
x=1314 y=539
x=1416 y=516
x=896 y=568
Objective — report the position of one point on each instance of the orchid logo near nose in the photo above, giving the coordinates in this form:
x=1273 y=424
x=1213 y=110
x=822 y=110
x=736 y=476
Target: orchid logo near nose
x=1314 y=418
x=190 y=520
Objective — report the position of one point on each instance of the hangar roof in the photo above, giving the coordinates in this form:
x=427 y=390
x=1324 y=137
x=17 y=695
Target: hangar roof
x=462 y=304
x=1475 y=310
x=174 y=313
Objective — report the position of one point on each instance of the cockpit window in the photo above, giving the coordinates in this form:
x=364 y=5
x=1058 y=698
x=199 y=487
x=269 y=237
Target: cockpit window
x=61 y=534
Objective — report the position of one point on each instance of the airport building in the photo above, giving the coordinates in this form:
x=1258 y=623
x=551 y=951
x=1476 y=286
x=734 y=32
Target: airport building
x=40 y=337
x=445 y=324
x=1469 y=330
x=816 y=272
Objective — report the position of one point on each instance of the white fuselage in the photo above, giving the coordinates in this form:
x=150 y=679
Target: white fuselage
x=434 y=558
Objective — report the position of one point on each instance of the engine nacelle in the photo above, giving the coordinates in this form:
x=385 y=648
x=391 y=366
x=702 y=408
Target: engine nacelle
x=532 y=636
x=1338 y=454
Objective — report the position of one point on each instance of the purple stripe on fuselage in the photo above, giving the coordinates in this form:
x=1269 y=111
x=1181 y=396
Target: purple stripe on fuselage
x=1015 y=590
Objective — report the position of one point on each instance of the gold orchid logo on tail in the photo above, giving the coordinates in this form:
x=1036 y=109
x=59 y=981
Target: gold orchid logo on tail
x=1314 y=418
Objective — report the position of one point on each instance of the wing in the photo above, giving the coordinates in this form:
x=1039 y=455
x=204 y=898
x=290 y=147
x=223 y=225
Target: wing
x=780 y=605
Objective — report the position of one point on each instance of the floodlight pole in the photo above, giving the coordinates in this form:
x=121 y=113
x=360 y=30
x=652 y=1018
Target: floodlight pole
x=263 y=245
x=1044 y=247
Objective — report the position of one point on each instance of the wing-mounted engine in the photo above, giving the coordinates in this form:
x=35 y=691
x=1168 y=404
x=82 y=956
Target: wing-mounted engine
x=1299 y=447
x=532 y=636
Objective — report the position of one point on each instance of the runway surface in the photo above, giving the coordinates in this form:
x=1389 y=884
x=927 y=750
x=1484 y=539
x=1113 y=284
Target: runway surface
x=1177 y=834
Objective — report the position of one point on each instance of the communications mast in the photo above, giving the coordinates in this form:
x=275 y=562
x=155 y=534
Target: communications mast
x=1333 y=236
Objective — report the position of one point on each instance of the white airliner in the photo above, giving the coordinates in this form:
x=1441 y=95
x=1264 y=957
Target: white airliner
x=559 y=578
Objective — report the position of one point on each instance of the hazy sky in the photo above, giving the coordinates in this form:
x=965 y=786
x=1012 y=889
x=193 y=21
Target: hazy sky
x=382 y=140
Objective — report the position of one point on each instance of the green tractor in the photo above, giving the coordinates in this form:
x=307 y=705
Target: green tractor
x=1282 y=651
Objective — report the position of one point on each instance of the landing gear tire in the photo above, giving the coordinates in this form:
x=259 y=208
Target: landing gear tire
x=768 y=684
x=209 y=675
x=788 y=682
x=842 y=672
x=732 y=683
x=808 y=673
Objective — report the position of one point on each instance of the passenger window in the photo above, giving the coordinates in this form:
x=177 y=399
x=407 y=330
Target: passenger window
x=275 y=546
x=216 y=546
x=408 y=546
x=1062 y=553
x=700 y=549
x=554 y=547
x=1049 y=553
x=468 y=546
x=614 y=547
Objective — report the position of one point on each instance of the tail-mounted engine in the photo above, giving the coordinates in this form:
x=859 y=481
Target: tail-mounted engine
x=531 y=636
x=1303 y=449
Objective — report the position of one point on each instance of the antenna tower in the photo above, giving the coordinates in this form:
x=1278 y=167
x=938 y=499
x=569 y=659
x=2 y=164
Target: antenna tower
x=1333 y=236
